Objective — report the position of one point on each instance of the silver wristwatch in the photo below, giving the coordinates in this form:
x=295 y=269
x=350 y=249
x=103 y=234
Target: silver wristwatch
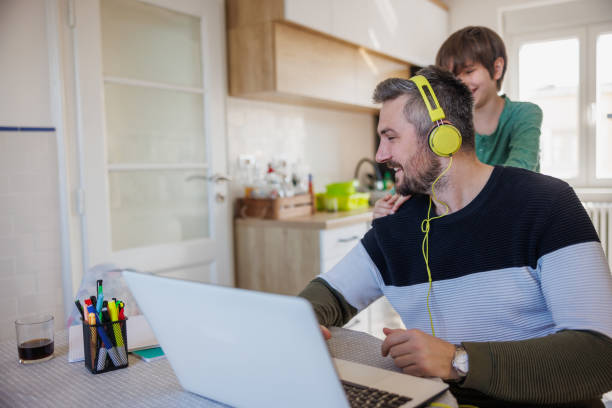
x=460 y=362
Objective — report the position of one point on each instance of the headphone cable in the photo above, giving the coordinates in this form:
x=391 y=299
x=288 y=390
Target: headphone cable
x=425 y=226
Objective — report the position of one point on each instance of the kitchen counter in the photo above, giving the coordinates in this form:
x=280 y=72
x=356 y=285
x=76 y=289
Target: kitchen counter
x=320 y=220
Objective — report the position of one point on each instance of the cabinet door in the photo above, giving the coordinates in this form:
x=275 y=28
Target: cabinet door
x=316 y=14
x=411 y=30
x=336 y=243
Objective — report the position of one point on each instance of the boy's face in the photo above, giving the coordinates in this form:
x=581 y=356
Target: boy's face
x=416 y=167
x=477 y=78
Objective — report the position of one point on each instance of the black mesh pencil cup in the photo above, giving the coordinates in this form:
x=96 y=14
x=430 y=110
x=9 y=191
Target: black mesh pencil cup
x=105 y=346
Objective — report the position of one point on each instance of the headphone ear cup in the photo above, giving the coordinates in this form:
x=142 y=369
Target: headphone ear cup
x=444 y=140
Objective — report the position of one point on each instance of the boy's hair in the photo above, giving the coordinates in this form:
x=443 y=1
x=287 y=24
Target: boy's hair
x=454 y=98
x=473 y=44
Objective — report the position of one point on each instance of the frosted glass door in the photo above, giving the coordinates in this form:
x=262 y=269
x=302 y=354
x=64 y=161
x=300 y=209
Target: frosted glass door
x=150 y=94
x=155 y=129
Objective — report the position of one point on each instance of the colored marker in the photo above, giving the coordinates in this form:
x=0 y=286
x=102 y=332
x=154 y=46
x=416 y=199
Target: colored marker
x=112 y=309
x=93 y=341
x=80 y=309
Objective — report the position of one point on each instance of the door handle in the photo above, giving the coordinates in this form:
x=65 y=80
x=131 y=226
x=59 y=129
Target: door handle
x=216 y=178
x=349 y=239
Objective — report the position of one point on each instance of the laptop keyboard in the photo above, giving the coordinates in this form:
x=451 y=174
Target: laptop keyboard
x=360 y=396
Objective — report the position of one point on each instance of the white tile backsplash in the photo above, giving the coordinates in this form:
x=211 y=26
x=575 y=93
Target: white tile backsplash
x=26 y=285
x=30 y=271
x=329 y=142
x=7 y=267
x=6 y=226
x=31 y=182
x=8 y=246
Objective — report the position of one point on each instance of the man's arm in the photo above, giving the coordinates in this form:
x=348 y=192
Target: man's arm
x=329 y=305
x=575 y=363
x=562 y=367
x=347 y=288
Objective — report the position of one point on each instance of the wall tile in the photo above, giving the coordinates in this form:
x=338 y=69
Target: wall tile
x=47 y=240
x=6 y=226
x=30 y=183
x=49 y=281
x=8 y=247
x=8 y=288
x=26 y=285
x=7 y=332
x=35 y=224
x=4 y=184
x=7 y=267
x=24 y=244
x=11 y=204
x=43 y=260
x=33 y=304
x=9 y=309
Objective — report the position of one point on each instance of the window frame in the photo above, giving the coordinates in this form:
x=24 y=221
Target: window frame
x=593 y=32
x=585 y=177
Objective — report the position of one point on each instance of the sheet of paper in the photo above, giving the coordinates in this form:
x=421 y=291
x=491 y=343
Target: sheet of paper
x=139 y=334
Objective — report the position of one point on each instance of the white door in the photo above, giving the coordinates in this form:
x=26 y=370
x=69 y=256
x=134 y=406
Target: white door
x=151 y=89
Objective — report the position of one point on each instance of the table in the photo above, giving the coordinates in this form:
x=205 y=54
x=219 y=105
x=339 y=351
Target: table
x=57 y=383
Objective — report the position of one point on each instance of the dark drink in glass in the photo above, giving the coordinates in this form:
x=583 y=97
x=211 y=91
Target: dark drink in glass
x=35 y=338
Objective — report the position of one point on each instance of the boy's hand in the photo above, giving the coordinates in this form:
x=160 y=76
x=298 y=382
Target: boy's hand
x=388 y=205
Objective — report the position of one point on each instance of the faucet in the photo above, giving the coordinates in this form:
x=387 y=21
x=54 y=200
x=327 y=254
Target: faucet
x=376 y=169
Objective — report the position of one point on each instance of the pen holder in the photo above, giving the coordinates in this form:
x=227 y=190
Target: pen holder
x=105 y=346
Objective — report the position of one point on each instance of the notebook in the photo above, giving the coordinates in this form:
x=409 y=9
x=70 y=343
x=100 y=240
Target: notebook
x=246 y=348
x=150 y=354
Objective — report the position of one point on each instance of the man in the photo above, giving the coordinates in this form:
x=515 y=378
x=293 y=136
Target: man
x=501 y=263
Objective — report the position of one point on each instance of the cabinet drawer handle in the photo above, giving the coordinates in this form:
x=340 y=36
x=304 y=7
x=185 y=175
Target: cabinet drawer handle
x=349 y=239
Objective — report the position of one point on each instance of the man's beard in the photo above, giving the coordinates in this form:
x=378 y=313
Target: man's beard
x=418 y=178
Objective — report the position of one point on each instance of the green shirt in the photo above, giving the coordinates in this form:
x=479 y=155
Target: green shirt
x=516 y=140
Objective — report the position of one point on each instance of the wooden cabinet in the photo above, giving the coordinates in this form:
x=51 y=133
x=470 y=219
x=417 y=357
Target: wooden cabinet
x=272 y=59
x=272 y=256
x=283 y=256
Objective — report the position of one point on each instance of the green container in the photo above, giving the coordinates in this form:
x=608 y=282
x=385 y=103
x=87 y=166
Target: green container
x=340 y=189
x=349 y=202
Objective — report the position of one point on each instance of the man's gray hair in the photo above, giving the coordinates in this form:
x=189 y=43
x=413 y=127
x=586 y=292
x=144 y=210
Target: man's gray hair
x=453 y=96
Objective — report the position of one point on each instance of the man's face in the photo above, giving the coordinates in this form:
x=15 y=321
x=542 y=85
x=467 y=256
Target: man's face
x=416 y=167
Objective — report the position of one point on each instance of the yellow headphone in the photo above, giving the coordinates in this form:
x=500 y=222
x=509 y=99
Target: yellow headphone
x=444 y=138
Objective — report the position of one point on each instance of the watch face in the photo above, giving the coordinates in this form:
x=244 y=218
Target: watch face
x=460 y=362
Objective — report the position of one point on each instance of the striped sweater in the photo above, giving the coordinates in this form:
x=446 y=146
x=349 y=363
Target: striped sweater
x=521 y=261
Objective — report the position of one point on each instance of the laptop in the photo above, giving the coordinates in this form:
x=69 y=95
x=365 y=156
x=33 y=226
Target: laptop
x=252 y=349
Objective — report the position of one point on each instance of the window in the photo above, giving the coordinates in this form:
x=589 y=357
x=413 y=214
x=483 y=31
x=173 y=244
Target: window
x=568 y=73
x=555 y=91
x=603 y=101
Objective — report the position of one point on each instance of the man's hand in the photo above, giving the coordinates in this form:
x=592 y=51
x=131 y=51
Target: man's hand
x=388 y=205
x=420 y=354
x=325 y=331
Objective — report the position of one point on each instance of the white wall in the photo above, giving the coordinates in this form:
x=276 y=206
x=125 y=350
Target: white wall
x=30 y=266
x=329 y=141
x=24 y=71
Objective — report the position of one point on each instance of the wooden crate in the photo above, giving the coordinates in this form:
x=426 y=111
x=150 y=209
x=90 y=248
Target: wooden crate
x=275 y=208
